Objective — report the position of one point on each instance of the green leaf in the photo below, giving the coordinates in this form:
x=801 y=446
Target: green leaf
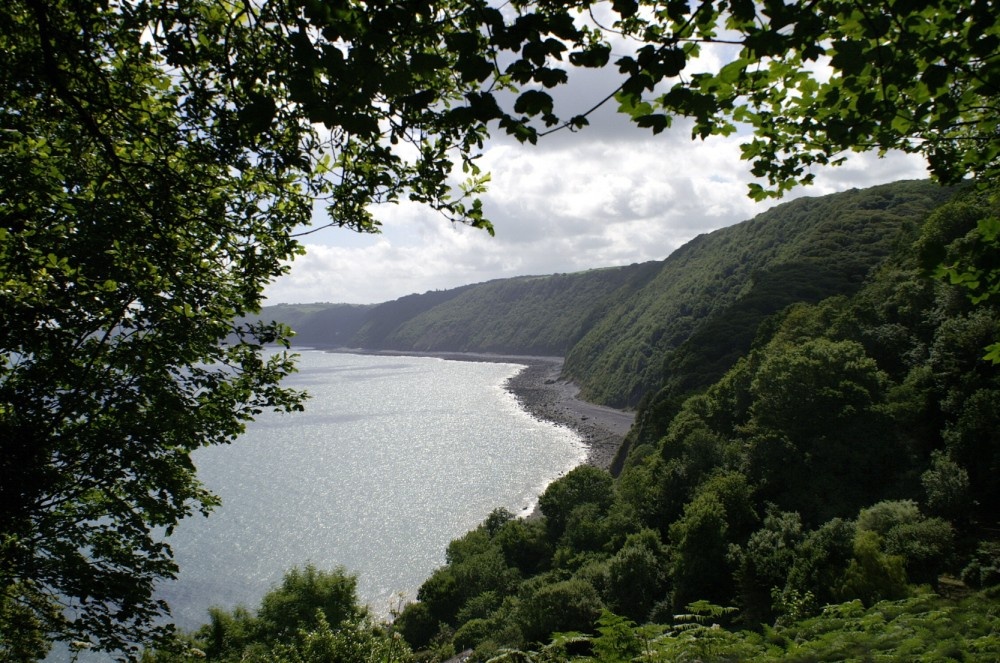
x=849 y=57
x=474 y=68
x=993 y=353
x=989 y=228
x=935 y=77
x=625 y=8
x=655 y=121
x=533 y=102
x=427 y=63
x=595 y=55
x=258 y=114
x=550 y=77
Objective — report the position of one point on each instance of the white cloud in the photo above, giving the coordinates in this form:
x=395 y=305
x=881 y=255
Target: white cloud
x=585 y=200
x=611 y=194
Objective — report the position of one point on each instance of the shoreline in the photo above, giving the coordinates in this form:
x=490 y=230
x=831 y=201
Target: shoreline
x=541 y=391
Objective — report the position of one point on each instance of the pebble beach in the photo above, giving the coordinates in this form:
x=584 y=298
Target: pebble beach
x=541 y=391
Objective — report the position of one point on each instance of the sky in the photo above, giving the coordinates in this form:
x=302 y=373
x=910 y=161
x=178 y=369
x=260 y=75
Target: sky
x=611 y=194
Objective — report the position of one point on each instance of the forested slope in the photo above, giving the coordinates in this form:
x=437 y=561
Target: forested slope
x=321 y=325
x=529 y=315
x=849 y=460
x=712 y=292
x=620 y=327
x=833 y=495
x=384 y=319
x=542 y=315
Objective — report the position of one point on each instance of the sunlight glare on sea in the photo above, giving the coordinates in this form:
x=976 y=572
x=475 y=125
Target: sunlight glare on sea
x=393 y=458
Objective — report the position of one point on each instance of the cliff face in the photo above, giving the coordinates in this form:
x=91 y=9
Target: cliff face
x=629 y=331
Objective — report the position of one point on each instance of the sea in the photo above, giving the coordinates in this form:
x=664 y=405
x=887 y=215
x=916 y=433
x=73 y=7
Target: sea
x=393 y=458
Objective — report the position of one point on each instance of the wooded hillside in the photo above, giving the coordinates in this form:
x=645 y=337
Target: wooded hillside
x=830 y=495
x=811 y=500
x=620 y=327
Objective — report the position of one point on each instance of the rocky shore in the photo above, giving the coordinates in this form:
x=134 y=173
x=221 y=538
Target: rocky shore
x=542 y=392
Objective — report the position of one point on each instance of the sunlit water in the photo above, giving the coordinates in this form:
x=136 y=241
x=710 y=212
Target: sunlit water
x=393 y=458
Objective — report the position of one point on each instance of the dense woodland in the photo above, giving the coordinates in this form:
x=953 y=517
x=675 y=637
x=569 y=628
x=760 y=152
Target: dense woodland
x=620 y=327
x=830 y=493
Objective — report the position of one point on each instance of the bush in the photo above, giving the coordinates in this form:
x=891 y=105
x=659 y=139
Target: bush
x=984 y=569
x=638 y=576
x=926 y=546
x=872 y=575
x=416 y=624
x=569 y=605
x=883 y=516
x=582 y=485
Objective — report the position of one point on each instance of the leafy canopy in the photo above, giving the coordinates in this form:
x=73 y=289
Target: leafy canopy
x=158 y=157
x=813 y=80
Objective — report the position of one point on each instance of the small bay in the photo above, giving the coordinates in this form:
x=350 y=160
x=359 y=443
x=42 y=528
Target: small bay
x=393 y=458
